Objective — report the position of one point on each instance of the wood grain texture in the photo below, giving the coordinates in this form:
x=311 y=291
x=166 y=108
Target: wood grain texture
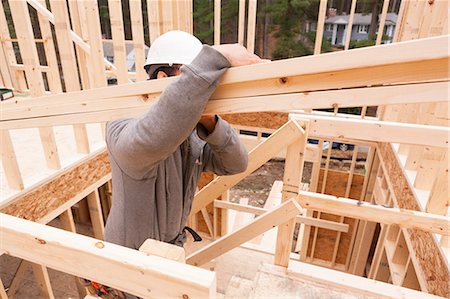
x=431 y=262
x=40 y=201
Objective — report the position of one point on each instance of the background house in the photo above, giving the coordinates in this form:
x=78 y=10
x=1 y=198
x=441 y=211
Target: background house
x=108 y=51
x=336 y=27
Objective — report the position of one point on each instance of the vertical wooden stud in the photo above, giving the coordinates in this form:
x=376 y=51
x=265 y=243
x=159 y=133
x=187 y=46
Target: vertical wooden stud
x=251 y=27
x=293 y=171
x=24 y=31
x=118 y=35
x=95 y=211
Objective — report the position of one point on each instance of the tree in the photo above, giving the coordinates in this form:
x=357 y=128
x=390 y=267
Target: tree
x=288 y=20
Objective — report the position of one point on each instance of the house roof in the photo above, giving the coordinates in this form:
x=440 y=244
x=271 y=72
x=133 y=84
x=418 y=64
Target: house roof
x=360 y=19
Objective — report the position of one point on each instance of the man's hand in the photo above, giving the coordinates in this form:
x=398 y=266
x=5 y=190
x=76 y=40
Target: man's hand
x=238 y=55
x=209 y=122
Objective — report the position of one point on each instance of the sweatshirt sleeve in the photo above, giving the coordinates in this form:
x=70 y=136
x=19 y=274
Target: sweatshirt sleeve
x=224 y=153
x=137 y=145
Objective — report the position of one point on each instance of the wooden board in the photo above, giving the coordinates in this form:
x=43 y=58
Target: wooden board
x=38 y=202
x=119 y=267
x=432 y=265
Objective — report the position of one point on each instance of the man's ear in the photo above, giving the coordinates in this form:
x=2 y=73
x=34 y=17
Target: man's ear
x=161 y=74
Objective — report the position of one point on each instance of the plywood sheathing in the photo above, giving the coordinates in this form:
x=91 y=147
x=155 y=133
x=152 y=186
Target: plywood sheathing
x=44 y=199
x=268 y=120
x=426 y=251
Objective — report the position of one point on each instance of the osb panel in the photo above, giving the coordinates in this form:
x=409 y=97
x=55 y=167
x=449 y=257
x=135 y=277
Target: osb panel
x=326 y=239
x=270 y=120
x=44 y=199
x=425 y=249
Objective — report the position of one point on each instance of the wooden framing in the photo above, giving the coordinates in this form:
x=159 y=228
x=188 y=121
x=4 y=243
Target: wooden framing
x=381 y=131
x=342 y=227
x=217 y=10
x=24 y=31
x=68 y=65
x=277 y=216
x=345 y=281
x=46 y=200
x=257 y=157
x=251 y=26
x=293 y=170
x=351 y=208
x=320 y=26
x=122 y=268
x=413 y=73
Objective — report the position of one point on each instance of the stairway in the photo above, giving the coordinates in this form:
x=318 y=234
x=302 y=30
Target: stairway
x=274 y=282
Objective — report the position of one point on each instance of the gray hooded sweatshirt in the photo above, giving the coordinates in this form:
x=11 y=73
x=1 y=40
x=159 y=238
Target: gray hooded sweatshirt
x=157 y=159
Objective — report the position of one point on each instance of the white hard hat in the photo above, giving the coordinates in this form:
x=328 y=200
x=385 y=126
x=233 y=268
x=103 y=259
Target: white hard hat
x=173 y=47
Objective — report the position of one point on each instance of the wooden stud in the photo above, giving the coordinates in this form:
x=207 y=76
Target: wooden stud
x=53 y=76
x=382 y=22
x=79 y=25
x=241 y=22
x=275 y=217
x=217 y=11
x=5 y=75
x=43 y=280
x=116 y=266
x=9 y=162
x=251 y=25
x=379 y=249
x=67 y=221
x=95 y=211
x=24 y=32
x=166 y=16
x=8 y=55
x=138 y=39
x=348 y=35
x=208 y=221
x=154 y=22
x=293 y=170
x=68 y=65
x=118 y=36
x=96 y=57
x=439 y=200
x=320 y=26
x=347 y=194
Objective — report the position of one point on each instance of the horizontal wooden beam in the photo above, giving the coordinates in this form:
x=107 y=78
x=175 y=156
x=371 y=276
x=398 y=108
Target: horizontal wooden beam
x=263 y=223
x=29 y=113
x=352 y=283
x=285 y=92
x=326 y=224
x=374 y=130
x=366 y=211
x=257 y=157
x=395 y=53
x=119 y=267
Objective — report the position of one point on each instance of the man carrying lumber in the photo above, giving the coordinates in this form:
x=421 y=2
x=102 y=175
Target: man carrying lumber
x=157 y=159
